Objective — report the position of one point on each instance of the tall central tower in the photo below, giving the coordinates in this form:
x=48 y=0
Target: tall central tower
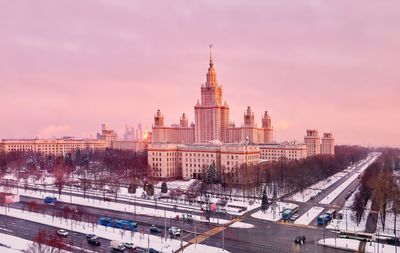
x=211 y=116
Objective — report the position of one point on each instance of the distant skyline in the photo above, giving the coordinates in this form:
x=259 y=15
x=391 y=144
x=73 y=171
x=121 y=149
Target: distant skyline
x=66 y=67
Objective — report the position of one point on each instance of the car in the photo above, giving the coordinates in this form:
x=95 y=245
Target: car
x=62 y=232
x=300 y=239
x=91 y=236
x=128 y=245
x=151 y=250
x=154 y=229
x=94 y=241
x=139 y=250
x=294 y=217
x=174 y=231
x=393 y=241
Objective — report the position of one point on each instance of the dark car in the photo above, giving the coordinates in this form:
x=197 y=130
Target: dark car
x=139 y=250
x=151 y=250
x=393 y=241
x=300 y=239
x=90 y=236
x=154 y=229
x=94 y=241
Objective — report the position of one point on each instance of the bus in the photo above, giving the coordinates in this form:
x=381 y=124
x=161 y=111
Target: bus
x=326 y=217
x=288 y=212
x=362 y=236
x=50 y=200
x=331 y=213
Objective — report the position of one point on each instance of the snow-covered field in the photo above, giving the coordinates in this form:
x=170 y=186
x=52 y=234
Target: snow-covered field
x=348 y=221
x=340 y=243
x=114 y=206
x=16 y=244
x=389 y=225
x=335 y=193
x=309 y=216
x=273 y=214
x=139 y=239
x=382 y=248
x=313 y=190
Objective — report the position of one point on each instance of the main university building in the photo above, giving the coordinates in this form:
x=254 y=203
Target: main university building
x=183 y=150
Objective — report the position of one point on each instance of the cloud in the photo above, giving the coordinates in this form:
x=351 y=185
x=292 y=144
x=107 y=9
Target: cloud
x=54 y=131
x=283 y=124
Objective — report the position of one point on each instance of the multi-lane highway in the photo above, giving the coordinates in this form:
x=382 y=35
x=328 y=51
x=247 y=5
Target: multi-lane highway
x=264 y=236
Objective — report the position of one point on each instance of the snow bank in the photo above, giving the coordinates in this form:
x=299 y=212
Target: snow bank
x=309 y=216
x=273 y=214
x=241 y=225
x=340 y=243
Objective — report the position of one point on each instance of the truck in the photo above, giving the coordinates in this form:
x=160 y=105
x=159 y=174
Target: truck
x=288 y=212
x=117 y=246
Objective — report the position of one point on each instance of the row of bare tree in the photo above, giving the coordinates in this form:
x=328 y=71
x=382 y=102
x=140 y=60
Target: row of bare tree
x=379 y=185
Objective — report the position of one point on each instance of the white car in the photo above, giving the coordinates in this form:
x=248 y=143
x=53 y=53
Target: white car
x=128 y=245
x=294 y=217
x=62 y=232
x=174 y=231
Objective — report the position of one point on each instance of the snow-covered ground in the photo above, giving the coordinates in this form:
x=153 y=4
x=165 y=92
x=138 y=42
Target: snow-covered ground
x=313 y=190
x=114 y=206
x=241 y=225
x=235 y=206
x=349 y=221
x=340 y=243
x=309 y=216
x=389 y=225
x=15 y=244
x=137 y=238
x=273 y=214
x=335 y=193
x=379 y=247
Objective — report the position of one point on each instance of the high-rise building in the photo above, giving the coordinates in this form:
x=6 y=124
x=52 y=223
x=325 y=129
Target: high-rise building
x=313 y=142
x=212 y=120
x=129 y=134
x=211 y=115
x=107 y=135
x=328 y=144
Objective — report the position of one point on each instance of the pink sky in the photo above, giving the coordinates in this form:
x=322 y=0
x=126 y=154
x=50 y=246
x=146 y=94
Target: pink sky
x=68 y=66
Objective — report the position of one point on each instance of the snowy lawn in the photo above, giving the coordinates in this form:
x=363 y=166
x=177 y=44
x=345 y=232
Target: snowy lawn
x=309 y=216
x=137 y=238
x=382 y=248
x=335 y=193
x=340 y=243
x=389 y=225
x=313 y=190
x=348 y=221
x=273 y=214
x=120 y=207
x=16 y=244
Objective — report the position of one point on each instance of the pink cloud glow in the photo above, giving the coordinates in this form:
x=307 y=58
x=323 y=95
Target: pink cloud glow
x=330 y=65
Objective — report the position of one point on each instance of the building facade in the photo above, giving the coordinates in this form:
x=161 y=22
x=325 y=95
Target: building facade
x=287 y=150
x=212 y=120
x=108 y=135
x=57 y=147
x=328 y=144
x=170 y=161
x=313 y=142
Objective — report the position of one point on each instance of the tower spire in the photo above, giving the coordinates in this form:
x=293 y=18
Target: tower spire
x=211 y=60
